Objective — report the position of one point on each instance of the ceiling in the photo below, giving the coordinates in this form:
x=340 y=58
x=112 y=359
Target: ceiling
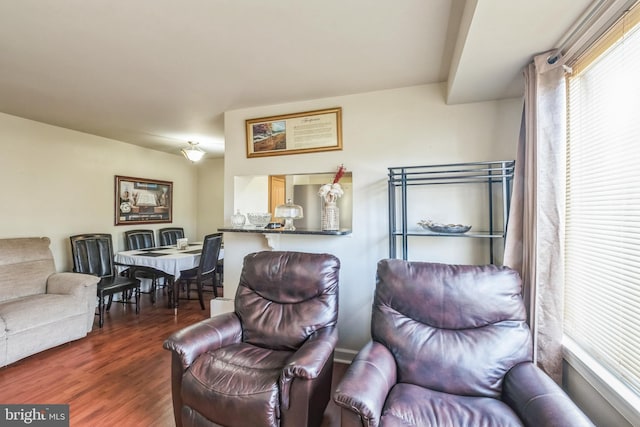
x=159 y=73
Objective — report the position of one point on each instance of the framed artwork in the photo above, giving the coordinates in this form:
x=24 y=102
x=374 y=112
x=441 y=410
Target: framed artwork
x=142 y=201
x=307 y=132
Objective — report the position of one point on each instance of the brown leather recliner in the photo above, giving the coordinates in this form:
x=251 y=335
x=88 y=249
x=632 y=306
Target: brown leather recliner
x=450 y=347
x=270 y=362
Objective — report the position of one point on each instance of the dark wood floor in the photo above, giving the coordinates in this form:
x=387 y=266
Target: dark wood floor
x=117 y=375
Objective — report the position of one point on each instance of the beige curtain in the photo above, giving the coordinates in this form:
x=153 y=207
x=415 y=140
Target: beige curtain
x=534 y=244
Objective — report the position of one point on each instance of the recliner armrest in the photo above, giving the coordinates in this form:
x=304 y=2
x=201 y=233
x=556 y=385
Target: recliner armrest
x=311 y=357
x=209 y=334
x=70 y=283
x=538 y=400
x=367 y=382
x=307 y=362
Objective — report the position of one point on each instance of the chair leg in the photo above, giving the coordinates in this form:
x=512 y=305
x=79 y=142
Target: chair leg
x=110 y=301
x=136 y=291
x=187 y=286
x=101 y=311
x=200 y=296
x=153 y=289
x=170 y=285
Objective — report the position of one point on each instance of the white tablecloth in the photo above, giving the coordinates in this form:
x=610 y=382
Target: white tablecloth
x=172 y=260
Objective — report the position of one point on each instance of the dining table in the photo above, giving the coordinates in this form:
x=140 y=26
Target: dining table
x=168 y=259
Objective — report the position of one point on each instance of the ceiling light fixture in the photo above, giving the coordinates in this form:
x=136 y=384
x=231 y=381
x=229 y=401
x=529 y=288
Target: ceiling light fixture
x=193 y=153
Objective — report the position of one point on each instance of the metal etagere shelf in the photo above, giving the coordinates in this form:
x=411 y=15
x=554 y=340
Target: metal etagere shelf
x=495 y=175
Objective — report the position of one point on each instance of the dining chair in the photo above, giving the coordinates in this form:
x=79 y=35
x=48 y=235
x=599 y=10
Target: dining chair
x=139 y=239
x=93 y=254
x=205 y=271
x=169 y=236
x=220 y=272
x=144 y=239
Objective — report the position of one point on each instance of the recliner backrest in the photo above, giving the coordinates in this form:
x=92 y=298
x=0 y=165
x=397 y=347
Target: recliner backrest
x=284 y=297
x=25 y=265
x=139 y=239
x=452 y=328
x=93 y=254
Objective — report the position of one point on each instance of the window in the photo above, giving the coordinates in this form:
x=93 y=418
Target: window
x=602 y=241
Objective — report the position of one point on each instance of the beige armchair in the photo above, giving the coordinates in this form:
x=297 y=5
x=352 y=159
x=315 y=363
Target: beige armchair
x=39 y=307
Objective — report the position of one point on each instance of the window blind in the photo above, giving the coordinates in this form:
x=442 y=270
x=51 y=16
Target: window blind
x=602 y=240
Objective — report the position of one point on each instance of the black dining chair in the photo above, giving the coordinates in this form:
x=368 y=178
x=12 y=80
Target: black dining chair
x=144 y=239
x=205 y=271
x=93 y=254
x=139 y=239
x=169 y=236
x=220 y=272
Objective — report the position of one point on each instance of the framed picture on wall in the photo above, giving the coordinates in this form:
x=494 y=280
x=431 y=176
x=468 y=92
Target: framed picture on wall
x=307 y=132
x=142 y=201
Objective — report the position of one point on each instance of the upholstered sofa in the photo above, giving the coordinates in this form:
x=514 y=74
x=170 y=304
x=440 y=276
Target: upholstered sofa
x=40 y=308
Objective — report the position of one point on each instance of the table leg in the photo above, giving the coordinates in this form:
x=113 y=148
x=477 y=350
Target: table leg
x=170 y=290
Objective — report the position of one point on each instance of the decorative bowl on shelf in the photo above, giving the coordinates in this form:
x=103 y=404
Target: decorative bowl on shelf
x=259 y=219
x=444 y=228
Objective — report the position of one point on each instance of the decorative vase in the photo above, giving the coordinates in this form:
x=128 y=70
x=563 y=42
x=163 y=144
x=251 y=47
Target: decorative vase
x=238 y=219
x=330 y=216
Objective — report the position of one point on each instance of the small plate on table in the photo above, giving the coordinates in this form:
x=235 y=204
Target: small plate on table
x=444 y=228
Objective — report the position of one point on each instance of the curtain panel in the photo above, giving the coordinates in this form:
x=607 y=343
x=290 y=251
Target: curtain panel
x=535 y=234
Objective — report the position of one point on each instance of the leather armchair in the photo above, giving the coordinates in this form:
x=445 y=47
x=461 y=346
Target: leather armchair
x=450 y=347
x=270 y=362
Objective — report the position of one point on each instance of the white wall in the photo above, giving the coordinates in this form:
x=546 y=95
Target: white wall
x=400 y=127
x=58 y=182
x=210 y=197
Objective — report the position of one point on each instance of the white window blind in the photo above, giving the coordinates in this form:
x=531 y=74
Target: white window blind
x=602 y=241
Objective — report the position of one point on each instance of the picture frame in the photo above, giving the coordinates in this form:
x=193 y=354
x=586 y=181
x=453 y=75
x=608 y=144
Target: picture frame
x=142 y=201
x=306 y=132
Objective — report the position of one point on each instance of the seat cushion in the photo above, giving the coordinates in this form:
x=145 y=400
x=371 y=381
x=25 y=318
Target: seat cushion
x=37 y=310
x=412 y=405
x=236 y=385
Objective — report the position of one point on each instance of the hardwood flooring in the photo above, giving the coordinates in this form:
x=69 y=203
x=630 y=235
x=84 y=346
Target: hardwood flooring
x=117 y=375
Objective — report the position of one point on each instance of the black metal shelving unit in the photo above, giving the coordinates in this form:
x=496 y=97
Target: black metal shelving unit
x=495 y=175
